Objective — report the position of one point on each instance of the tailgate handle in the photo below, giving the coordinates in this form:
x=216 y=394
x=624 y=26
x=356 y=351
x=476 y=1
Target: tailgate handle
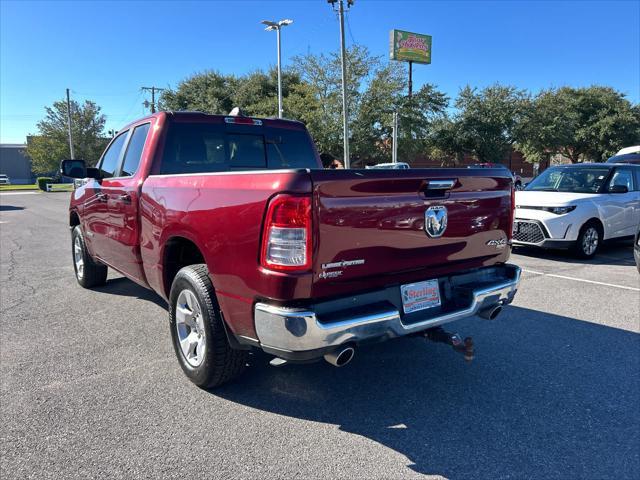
x=440 y=184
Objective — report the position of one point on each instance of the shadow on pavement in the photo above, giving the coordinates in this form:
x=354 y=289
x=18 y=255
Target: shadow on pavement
x=610 y=253
x=9 y=208
x=547 y=397
x=128 y=288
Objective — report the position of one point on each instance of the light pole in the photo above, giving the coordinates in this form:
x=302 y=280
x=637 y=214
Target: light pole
x=343 y=60
x=277 y=26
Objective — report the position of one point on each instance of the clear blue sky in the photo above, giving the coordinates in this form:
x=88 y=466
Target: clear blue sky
x=105 y=51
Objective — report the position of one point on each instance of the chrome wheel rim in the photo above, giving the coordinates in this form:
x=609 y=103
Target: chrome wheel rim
x=78 y=257
x=590 y=241
x=190 y=328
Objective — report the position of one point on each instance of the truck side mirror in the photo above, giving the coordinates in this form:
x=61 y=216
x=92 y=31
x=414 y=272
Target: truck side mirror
x=78 y=169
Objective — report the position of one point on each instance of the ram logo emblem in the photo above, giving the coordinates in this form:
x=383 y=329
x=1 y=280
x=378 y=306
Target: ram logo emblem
x=435 y=221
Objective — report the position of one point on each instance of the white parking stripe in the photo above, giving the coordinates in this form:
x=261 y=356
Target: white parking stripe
x=634 y=289
x=19 y=193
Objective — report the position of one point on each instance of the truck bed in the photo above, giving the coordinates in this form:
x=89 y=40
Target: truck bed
x=368 y=225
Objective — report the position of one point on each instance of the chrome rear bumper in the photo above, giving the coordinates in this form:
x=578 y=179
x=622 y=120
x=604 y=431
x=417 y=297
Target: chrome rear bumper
x=286 y=330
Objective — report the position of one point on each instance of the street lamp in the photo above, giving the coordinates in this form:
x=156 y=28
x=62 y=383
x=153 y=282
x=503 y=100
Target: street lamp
x=277 y=26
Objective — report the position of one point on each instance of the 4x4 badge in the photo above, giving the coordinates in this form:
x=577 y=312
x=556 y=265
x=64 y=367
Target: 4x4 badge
x=499 y=243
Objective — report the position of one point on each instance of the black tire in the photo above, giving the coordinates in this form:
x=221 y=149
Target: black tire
x=92 y=274
x=584 y=248
x=220 y=363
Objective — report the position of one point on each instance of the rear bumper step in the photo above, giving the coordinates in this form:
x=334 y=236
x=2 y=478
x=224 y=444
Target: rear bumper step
x=300 y=334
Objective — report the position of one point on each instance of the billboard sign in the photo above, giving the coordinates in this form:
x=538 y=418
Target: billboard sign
x=410 y=47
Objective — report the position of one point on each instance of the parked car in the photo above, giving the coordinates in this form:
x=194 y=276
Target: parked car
x=633 y=149
x=633 y=158
x=392 y=166
x=578 y=207
x=4 y=180
x=517 y=180
x=636 y=249
x=234 y=222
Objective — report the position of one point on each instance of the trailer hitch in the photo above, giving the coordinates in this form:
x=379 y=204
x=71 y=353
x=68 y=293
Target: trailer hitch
x=440 y=335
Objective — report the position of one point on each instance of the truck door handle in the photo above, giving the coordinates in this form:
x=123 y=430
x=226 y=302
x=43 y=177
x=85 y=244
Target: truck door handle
x=102 y=197
x=440 y=184
x=437 y=188
x=125 y=197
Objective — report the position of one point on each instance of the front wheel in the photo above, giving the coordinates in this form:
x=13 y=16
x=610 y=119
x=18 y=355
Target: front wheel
x=589 y=240
x=88 y=272
x=198 y=334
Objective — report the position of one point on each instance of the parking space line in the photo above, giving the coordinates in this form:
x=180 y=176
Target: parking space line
x=634 y=289
x=19 y=193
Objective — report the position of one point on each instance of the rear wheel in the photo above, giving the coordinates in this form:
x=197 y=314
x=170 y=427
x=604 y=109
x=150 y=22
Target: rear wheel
x=89 y=273
x=589 y=240
x=198 y=334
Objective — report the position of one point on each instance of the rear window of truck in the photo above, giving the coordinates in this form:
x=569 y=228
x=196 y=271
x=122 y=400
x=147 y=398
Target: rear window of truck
x=204 y=148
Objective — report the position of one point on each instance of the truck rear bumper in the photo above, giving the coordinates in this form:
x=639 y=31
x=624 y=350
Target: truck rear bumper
x=308 y=333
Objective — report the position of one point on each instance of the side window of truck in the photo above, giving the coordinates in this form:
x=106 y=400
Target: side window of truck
x=111 y=157
x=134 y=150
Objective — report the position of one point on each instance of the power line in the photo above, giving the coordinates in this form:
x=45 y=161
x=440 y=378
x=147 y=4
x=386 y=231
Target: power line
x=353 y=40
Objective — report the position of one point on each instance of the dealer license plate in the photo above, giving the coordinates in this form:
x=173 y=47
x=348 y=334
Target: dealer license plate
x=419 y=296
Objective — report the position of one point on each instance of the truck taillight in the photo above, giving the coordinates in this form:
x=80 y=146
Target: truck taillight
x=286 y=239
x=513 y=212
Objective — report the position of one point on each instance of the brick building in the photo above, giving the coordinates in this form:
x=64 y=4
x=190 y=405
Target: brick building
x=514 y=160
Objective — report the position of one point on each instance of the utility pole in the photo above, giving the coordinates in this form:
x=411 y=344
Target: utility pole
x=345 y=111
x=394 y=147
x=153 y=91
x=69 y=125
x=277 y=26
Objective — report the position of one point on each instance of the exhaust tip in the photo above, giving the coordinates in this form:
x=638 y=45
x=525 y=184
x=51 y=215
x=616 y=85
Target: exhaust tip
x=340 y=357
x=495 y=312
x=491 y=313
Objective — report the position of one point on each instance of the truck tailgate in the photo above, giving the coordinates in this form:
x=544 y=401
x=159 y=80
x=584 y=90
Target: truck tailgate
x=370 y=225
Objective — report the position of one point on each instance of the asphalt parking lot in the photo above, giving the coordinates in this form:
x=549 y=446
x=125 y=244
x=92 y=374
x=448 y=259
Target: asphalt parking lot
x=90 y=386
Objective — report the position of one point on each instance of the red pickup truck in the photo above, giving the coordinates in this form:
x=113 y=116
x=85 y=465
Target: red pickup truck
x=234 y=222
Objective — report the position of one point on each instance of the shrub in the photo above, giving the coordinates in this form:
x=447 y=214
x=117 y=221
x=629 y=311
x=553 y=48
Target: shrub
x=42 y=182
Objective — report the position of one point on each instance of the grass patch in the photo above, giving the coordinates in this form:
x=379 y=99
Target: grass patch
x=4 y=188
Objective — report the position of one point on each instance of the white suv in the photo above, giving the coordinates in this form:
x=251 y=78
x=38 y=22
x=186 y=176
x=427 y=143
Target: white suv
x=578 y=207
x=4 y=180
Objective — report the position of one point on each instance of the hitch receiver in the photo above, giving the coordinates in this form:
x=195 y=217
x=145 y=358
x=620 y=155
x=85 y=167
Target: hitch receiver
x=439 y=335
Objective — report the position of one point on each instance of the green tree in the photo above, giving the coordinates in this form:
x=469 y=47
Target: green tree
x=416 y=118
x=209 y=92
x=51 y=144
x=444 y=142
x=312 y=93
x=257 y=93
x=488 y=120
x=376 y=89
x=583 y=124
x=371 y=130
x=322 y=73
